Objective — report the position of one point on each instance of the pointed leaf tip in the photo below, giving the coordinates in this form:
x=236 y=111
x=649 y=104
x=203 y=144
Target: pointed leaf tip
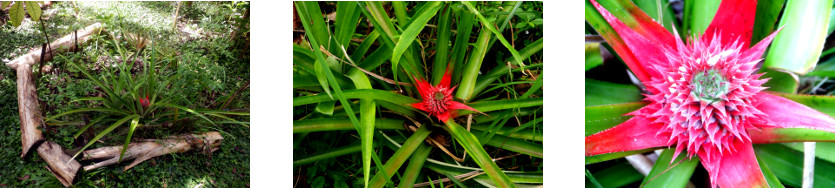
x=644 y=48
x=785 y=113
x=733 y=21
x=735 y=169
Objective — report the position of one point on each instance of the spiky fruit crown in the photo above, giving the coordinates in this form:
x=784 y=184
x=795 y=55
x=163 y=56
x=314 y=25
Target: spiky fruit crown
x=705 y=97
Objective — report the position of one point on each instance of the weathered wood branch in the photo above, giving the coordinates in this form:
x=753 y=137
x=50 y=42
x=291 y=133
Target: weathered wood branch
x=28 y=109
x=141 y=151
x=59 y=163
x=66 y=43
x=27 y=96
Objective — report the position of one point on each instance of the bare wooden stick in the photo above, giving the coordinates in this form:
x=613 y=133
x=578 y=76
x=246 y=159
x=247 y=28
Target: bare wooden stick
x=142 y=151
x=435 y=143
x=465 y=179
x=246 y=85
x=459 y=177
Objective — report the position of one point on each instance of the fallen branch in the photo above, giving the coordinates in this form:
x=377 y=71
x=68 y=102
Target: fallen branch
x=59 y=163
x=66 y=43
x=141 y=151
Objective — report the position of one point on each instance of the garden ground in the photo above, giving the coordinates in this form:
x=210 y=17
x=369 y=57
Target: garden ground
x=212 y=64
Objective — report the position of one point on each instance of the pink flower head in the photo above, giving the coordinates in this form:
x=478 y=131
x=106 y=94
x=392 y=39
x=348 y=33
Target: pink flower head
x=437 y=100
x=705 y=97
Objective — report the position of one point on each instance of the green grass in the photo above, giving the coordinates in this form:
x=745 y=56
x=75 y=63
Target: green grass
x=213 y=70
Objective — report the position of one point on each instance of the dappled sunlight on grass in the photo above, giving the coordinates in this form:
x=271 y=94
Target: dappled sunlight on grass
x=136 y=14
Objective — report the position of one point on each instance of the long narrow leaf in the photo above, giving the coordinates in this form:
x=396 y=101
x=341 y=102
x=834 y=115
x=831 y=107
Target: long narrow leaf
x=368 y=109
x=400 y=157
x=599 y=118
x=618 y=175
x=470 y=73
x=331 y=79
x=474 y=148
x=359 y=53
x=462 y=42
x=787 y=165
x=442 y=48
x=415 y=165
x=493 y=75
x=133 y=124
x=516 y=145
x=86 y=110
x=699 y=15
x=671 y=171
x=347 y=18
x=408 y=36
x=104 y=132
x=502 y=104
x=603 y=93
x=356 y=94
x=90 y=124
x=616 y=155
x=515 y=176
x=327 y=154
x=189 y=110
x=489 y=26
x=769 y=175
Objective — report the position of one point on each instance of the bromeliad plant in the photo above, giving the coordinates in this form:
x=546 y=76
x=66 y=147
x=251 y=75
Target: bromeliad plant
x=398 y=113
x=132 y=94
x=703 y=96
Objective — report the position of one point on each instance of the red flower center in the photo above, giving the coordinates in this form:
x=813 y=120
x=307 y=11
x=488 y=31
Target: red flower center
x=436 y=101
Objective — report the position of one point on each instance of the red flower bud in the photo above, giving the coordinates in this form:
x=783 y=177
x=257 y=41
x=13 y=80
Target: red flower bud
x=145 y=102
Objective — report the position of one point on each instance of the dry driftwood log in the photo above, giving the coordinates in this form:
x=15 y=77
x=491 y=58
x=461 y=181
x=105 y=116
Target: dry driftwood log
x=61 y=45
x=27 y=97
x=141 y=151
x=59 y=163
x=27 y=104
